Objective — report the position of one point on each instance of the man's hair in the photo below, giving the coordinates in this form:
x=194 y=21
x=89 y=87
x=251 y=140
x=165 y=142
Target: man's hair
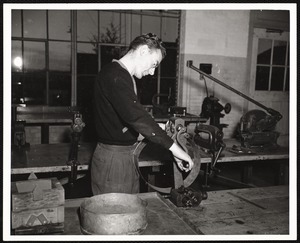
x=151 y=40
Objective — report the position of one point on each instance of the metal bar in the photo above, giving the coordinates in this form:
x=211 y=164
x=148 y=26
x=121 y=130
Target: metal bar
x=74 y=58
x=271 y=111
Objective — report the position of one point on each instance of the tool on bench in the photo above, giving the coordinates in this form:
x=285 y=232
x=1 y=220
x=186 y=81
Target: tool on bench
x=187 y=197
x=77 y=127
x=181 y=194
x=210 y=138
x=212 y=110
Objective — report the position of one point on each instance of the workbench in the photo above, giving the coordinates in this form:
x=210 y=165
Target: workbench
x=41 y=158
x=251 y=211
x=45 y=117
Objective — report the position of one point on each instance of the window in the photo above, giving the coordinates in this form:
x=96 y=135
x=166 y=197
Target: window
x=43 y=51
x=272 y=64
x=41 y=54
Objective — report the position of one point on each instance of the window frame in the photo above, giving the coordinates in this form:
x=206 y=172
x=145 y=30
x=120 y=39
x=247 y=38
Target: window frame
x=273 y=35
x=73 y=41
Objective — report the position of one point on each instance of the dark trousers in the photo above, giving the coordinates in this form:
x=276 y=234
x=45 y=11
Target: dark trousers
x=113 y=170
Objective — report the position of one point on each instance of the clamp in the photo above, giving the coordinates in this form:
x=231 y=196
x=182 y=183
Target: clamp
x=77 y=127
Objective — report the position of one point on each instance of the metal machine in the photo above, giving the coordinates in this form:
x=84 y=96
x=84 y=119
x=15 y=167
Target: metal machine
x=211 y=109
x=257 y=128
x=210 y=138
x=182 y=195
x=77 y=127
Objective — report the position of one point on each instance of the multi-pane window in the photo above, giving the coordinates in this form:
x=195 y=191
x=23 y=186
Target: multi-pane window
x=272 y=65
x=55 y=52
x=42 y=76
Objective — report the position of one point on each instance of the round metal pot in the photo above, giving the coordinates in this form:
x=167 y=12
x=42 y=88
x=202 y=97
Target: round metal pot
x=113 y=214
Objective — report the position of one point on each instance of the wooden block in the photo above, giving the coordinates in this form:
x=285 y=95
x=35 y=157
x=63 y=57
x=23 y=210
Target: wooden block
x=36 y=199
x=38 y=217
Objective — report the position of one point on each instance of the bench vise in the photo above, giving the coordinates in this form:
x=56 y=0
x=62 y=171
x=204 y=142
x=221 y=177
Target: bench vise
x=77 y=127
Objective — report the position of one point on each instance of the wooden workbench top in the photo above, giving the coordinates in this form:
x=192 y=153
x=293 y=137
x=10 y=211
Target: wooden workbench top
x=251 y=211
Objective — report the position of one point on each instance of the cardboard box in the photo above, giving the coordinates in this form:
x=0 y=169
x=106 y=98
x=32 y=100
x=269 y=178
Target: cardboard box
x=37 y=205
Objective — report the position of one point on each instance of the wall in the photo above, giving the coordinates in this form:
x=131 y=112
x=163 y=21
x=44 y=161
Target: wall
x=219 y=37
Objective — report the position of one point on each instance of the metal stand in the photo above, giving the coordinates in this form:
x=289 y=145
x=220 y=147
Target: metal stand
x=77 y=127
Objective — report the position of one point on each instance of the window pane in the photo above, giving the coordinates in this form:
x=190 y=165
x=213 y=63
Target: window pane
x=168 y=86
x=17 y=89
x=87 y=59
x=87 y=27
x=35 y=89
x=262 y=78
x=125 y=28
x=146 y=87
x=277 y=78
x=279 y=52
x=35 y=23
x=135 y=26
x=168 y=64
x=59 y=25
x=59 y=89
x=288 y=57
x=16 y=56
x=169 y=29
x=16 y=23
x=108 y=53
x=34 y=56
x=85 y=88
x=287 y=82
x=109 y=27
x=151 y=24
x=264 y=51
x=59 y=56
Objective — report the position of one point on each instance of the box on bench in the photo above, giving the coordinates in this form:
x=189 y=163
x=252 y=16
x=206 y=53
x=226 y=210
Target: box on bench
x=37 y=206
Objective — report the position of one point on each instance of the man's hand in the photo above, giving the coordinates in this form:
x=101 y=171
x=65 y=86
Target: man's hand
x=184 y=165
x=180 y=156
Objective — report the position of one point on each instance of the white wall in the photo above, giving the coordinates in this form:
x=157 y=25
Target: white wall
x=216 y=32
x=219 y=37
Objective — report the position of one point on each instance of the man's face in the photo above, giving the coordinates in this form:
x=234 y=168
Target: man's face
x=149 y=60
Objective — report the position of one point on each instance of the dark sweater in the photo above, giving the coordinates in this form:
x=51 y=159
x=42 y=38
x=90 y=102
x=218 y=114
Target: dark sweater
x=119 y=117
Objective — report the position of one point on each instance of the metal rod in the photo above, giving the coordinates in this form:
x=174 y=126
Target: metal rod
x=271 y=111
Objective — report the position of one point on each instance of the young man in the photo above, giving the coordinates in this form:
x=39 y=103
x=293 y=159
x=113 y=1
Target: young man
x=120 y=118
